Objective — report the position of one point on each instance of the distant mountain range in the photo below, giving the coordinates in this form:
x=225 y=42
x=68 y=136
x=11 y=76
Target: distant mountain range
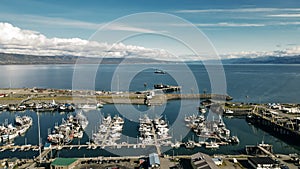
x=9 y=59
x=265 y=60
x=20 y=59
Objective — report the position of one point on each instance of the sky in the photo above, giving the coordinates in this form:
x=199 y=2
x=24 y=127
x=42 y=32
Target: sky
x=233 y=28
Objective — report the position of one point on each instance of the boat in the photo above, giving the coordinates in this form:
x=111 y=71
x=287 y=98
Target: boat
x=190 y=144
x=177 y=144
x=88 y=106
x=235 y=140
x=24 y=120
x=158 y=71
x=160 y=86
x=228 y=111
x=212 y=145
x=82 y=120
x=202 y=109
x=80 y=134
x=99 y=105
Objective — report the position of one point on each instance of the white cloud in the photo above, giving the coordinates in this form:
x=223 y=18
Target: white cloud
x=122 y=27
x=16 y=40
x=223 y=24
x=238 y=10
x=287 y=15
x=70 y=23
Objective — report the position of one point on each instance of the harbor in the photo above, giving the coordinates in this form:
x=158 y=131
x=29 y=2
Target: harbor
x=159 y=136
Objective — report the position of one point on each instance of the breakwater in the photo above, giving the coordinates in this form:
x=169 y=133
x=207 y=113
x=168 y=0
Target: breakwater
x=18 y=97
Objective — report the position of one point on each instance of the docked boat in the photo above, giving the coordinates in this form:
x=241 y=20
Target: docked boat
x=190 y=144
x=212 y=145
x=228 y=111
x=99 y=105
x=10 y=132
x=24 y=120
x=177 y=144
x=202 y=109
x=160 y=86
x=82 y=120
x=88 y=106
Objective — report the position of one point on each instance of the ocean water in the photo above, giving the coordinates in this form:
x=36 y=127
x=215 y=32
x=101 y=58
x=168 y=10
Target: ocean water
x=260 y=83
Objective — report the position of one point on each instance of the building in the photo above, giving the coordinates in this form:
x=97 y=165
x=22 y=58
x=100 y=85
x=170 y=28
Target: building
x=64 y=163
x=262 y=163
x=154 y=161
x=202 y=161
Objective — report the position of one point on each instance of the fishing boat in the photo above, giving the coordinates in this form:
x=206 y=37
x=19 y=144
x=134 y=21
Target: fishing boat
x=158 y=71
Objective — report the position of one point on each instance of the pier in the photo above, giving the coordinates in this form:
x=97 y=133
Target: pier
x=276 y=123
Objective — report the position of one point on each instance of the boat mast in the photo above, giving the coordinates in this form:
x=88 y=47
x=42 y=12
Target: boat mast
x=39 y=135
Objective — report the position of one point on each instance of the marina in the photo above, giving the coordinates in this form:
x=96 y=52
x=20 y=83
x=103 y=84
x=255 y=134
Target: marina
x=153 y=132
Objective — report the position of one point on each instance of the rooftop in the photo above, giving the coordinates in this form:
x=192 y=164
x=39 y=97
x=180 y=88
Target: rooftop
x=63 y=161
x=261 y=160
x=153 y=159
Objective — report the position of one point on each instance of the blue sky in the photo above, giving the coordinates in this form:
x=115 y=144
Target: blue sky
x=232 y=26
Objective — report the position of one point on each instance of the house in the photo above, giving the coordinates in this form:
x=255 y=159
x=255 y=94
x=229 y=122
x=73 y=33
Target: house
x=154 y=161
x=263 y=163
x=64 y=163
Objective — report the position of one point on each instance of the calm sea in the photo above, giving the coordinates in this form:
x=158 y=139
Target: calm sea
x=245 y=83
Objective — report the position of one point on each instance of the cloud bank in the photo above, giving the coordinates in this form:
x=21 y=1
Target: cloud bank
x=19 y=41
x=294 y=51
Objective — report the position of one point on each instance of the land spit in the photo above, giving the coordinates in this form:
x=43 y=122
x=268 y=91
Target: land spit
x=153 y=97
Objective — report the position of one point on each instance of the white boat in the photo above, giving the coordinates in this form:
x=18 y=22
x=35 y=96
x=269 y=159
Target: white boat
x=158 y=71
x=99 y=105
x=118 y=120
x=212 y=145
x=177 y=144
x=88 y=106
x=228 y=111
x=82 y=120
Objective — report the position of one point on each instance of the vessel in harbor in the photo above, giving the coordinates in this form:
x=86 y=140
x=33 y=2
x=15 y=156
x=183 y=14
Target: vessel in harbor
x=8 y=132
x=71 y=128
